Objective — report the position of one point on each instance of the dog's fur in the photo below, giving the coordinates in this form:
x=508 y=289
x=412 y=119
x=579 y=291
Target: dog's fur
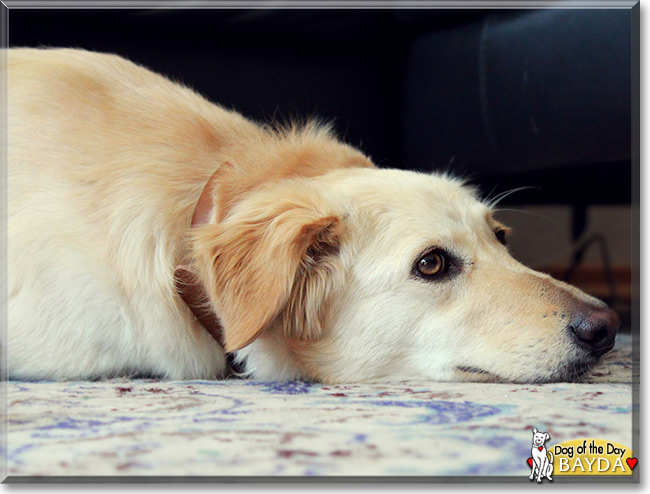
x=542 y=464
x=308 y=257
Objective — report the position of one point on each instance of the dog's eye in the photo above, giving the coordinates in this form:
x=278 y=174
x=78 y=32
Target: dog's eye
x=501 y=236
x=432 y=264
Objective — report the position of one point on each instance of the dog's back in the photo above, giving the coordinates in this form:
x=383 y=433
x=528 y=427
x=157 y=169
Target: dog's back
x=105 y=159
x=106 y=163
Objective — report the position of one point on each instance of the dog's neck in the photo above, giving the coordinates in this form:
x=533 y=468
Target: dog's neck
x=188 y=285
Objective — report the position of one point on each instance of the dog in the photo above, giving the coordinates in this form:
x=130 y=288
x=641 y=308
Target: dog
x=151 y=232
x=542 y=464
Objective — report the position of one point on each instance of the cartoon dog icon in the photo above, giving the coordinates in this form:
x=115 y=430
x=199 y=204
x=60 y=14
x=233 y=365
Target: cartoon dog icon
x=542 y=464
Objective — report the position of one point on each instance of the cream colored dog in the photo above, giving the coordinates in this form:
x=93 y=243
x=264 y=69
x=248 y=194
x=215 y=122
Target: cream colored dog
x=317 y=264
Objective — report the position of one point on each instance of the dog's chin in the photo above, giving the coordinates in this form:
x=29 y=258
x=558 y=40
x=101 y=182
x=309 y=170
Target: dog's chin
x=577 y=369
x=475 y=374
x=570 y=371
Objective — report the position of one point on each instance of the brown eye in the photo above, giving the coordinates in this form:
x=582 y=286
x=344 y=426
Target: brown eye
x=501 y=236
x=432 y=264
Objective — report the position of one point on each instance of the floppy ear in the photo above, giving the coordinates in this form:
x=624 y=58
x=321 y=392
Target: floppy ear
x=271 y=253
x=547 y=436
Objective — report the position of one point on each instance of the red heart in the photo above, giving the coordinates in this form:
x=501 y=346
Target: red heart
x=530 y=462
x=541 y=448
x=631 y=462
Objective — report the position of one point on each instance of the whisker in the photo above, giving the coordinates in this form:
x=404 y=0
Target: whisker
x=487 y=199
x=500 y=197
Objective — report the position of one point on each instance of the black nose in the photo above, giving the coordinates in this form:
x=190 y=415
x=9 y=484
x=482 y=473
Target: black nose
x=595 y=331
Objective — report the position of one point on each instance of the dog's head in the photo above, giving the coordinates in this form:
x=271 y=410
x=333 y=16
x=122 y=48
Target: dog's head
x=539 y=438
x=363 y=274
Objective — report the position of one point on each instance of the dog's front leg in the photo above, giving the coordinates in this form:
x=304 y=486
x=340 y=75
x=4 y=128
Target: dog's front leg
x=533 y=468
x=540 y=470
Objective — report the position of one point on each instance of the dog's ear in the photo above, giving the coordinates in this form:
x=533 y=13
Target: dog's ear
x=547 y=436
x=534 y=431
x=270 y=256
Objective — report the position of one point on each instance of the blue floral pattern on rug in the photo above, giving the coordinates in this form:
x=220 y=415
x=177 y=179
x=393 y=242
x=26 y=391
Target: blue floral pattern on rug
x=248 y=428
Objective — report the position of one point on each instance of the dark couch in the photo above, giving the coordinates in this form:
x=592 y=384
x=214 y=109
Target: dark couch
x=506 y=97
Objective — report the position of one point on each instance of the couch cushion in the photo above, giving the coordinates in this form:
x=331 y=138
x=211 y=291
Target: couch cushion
x=519 y=91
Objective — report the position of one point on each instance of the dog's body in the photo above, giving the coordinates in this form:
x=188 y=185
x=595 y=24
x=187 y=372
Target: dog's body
x=542 y=463
x=318 y=264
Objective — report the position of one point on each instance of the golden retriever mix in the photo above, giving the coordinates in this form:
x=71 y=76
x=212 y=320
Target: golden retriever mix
x=147 y=224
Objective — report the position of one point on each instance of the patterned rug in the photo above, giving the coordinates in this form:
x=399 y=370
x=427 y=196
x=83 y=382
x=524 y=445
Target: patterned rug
x=247 y=428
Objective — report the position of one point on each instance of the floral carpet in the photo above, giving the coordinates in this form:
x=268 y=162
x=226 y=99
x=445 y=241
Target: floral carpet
x=239 y=428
